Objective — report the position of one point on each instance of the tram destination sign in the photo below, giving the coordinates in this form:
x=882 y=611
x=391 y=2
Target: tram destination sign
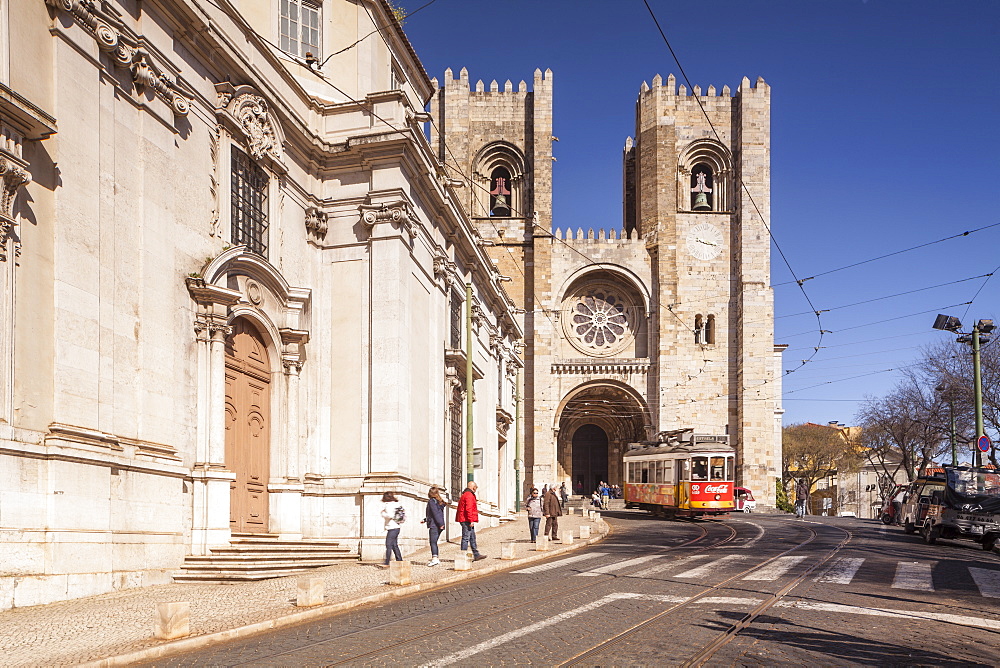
x=710 y=438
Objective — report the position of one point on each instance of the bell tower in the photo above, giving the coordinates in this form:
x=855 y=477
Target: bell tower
x=697 y=189
x=498 y=140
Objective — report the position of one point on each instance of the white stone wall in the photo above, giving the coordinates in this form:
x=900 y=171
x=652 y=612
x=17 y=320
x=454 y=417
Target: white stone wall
x=114 y=464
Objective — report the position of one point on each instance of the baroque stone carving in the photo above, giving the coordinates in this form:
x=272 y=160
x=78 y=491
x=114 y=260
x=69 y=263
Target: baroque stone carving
x=443 y=268
x=251 y=111
x=12 y=177
x=125 y=51
x=397 y=213
x=145 y=74
x=316 y=221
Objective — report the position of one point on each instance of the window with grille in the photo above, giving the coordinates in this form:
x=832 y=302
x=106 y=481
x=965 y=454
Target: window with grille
x=455 y=342
x=249 y=205
x=300 y=28
x=455 y=417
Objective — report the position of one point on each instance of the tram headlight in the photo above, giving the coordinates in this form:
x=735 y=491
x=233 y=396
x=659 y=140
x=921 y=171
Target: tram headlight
x=718 y=496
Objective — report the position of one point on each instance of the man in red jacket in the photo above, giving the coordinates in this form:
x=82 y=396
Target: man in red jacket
x=467 y=516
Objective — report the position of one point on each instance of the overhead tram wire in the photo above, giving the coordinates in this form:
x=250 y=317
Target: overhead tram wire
x=378 y=29
x=781 y=253
x=898 y=294
x=888 y=255
x=988 y=277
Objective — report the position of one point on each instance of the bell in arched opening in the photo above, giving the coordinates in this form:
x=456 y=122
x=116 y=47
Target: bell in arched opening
x=701 y=189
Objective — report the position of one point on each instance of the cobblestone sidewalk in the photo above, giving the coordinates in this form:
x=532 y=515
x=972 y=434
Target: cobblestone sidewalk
x=120 y=624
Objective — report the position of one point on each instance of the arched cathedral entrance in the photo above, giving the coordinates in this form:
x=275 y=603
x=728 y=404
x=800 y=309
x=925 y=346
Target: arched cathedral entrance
x=248 y=401
x=597 y=421
x=590 y=458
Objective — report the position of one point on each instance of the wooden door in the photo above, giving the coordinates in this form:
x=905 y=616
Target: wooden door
x=248 y=427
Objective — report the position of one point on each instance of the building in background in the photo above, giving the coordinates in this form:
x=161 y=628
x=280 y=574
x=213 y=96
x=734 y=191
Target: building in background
x=661 y=321
x=233 y=292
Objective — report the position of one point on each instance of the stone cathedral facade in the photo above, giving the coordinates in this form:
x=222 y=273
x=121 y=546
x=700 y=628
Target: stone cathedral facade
x=661 y=321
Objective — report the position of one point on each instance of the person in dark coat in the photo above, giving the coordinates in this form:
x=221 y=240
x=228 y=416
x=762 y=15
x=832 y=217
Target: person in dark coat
x=435 y=522
x=551 y=510
x=467 y=515
x=801 y=496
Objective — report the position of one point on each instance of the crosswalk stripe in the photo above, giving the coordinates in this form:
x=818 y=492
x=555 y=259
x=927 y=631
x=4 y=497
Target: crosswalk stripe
x=670 y=565
x=988 y=581
x=775 y=569
x=617 y=566
x=842 y=571
x=710 y=567
x=561 y=562
x=913 y=575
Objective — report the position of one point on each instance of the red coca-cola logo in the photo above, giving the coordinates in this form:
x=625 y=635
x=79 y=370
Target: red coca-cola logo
x=715 y=489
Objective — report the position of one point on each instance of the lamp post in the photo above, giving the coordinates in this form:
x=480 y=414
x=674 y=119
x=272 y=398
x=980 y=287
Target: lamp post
x=980 y=334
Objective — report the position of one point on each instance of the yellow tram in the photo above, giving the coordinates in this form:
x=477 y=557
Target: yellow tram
x=683 y=474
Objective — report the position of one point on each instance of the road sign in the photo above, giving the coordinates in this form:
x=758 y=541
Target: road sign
x=983 y=443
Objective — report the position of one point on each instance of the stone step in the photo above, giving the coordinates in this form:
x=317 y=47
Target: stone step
x=279 y=549
x=234 y=575
x=269 y=558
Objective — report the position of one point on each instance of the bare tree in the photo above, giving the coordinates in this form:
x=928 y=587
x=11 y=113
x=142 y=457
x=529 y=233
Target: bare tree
x=908 y=426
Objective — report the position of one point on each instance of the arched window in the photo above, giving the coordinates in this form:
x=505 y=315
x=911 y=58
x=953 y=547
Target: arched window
x=500 y=204
x=701 y=188
x=699 y=329
x=710 y=330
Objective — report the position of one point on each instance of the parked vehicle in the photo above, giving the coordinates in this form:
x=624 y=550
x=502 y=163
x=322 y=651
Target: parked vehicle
x=917 y=500
x=744 y=500
x=891 y=512
x=967 y=508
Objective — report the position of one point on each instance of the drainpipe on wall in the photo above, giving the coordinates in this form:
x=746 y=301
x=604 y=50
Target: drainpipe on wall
x=517 y=442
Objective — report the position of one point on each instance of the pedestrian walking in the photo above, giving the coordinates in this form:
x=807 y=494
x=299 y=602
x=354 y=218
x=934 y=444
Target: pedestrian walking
x=435 y=521
x=605 y=495
x=551 y=510
x=801 y=496
x=467 y=515
x=533 y=504
x=563 y=494
x=394 y=515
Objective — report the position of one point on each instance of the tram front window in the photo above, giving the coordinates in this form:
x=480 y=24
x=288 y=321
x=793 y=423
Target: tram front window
x=699 y=468
x=718 y=468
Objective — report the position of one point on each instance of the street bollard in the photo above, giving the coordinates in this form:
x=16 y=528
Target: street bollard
x=596 y=517
x=567 y=537
x=507 y=551
x=584 y=532
x=542 y=544
x=310 y=592
x=173 y=620
x=590 y=514
x=463 y=562
x=399 y=572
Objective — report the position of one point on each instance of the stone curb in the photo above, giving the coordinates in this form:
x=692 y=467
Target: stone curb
x=198 y=642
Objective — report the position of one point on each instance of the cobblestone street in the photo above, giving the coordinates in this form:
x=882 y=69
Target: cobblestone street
x=121 y=623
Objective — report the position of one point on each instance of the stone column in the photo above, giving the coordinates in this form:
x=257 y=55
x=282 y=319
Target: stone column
x=210 y=479
x=286 y=487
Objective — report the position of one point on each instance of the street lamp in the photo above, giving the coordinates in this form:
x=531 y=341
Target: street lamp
x=980 y=334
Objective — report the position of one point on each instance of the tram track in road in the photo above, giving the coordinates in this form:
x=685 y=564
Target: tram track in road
x=533 y=600
x=708 y=651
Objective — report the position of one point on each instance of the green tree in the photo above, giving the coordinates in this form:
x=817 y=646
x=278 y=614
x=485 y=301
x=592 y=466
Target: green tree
x=811 y=452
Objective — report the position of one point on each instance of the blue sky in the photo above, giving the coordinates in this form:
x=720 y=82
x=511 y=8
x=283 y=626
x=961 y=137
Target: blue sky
x=885 y=118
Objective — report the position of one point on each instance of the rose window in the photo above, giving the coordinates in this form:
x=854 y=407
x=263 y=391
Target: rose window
x=599 y=320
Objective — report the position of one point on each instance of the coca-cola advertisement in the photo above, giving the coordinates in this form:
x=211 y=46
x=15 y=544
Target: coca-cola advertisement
x=711 y=491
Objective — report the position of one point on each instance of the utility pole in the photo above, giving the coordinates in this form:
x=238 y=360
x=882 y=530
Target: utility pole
x=518 y=455
x=469 y=385
x=980 y=334
x=977 y=381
